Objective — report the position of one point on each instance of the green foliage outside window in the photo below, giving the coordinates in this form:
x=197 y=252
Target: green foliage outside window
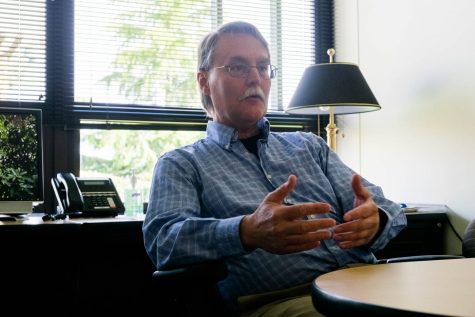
x=128 y=157
x=156 y=61
x=18 y=169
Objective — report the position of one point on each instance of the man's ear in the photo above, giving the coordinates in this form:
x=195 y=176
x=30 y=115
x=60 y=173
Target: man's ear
x=202 y=78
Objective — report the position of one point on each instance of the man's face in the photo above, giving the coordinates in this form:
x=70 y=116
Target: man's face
x=232 y=105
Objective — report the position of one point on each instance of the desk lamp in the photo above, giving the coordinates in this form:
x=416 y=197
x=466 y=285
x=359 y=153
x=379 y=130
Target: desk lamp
x=332 y=88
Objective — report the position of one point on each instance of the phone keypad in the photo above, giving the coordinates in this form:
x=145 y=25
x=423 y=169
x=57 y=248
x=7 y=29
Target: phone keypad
x=101 y=199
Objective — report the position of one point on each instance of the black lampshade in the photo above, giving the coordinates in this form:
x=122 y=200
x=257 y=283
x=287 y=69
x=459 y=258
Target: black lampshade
x=339 y=85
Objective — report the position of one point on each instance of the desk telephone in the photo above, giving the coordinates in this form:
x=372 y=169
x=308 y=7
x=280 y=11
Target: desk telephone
x=86 y=197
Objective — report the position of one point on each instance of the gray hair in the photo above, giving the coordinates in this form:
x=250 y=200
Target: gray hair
x=207 y=49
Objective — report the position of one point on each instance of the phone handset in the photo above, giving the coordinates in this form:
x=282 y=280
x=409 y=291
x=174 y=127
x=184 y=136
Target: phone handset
x=67 y=193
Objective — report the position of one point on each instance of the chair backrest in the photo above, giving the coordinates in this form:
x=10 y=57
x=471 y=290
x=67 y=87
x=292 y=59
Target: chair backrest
x=468 y=243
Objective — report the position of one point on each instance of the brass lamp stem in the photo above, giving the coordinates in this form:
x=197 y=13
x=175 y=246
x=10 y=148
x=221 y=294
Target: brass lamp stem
x=331 y=127
x=331 y=131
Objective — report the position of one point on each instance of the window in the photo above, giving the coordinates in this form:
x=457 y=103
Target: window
x=128 y=156
x=117 y=67
x=144 y=53
x=121 y=60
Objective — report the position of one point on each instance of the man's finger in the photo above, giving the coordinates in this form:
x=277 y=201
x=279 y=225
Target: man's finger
x=360 y=191
x=278 y=195
x=306 y=209
x=300 y=227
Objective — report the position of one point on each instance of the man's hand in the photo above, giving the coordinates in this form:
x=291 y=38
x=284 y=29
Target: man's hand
x=281 y=229
x=362 y=222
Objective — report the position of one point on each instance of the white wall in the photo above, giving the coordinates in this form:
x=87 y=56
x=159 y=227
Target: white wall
x=418 y=57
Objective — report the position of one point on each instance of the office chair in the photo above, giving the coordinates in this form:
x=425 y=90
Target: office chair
x=192 y=290
x=468 y=243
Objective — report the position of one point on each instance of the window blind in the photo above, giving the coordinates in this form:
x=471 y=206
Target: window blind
x=131 y=64
x=22 y=50
x=143 y=52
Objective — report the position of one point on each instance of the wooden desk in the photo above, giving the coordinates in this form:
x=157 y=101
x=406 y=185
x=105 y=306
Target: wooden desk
x=76 y=267
x=426 y=288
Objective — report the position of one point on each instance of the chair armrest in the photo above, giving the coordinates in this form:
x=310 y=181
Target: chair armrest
x=208 y=272
x=419 y=258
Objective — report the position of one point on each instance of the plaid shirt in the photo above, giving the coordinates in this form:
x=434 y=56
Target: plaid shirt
x=200 y=193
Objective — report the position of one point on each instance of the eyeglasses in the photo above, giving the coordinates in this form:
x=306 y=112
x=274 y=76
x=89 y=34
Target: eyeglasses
x=242 y=70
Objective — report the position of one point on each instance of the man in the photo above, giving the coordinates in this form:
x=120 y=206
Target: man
x=278 y=208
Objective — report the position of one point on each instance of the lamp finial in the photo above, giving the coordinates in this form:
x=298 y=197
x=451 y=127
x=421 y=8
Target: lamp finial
x=331 y=53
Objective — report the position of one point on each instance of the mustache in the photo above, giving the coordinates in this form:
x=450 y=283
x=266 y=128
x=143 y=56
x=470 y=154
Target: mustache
x=253 y=91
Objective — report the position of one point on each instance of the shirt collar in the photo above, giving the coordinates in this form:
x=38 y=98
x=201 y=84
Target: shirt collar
x=226 y=136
